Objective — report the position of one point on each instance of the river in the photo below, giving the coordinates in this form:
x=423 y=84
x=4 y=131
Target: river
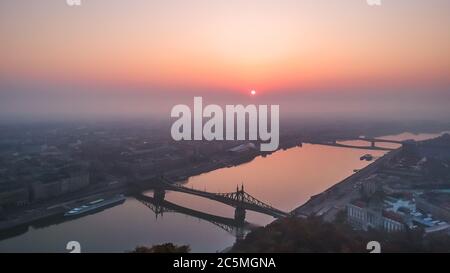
x=284 y=179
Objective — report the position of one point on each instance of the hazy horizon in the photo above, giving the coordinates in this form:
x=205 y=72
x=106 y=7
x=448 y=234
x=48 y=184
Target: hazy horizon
x=125 y=59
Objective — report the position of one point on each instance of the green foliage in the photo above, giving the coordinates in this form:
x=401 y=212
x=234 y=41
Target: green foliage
x=315 y=235
x=163 y=248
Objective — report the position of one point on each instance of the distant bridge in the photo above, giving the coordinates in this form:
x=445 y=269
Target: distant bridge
x=372 y=142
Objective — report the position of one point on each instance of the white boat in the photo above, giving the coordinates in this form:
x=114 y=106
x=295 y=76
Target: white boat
x=96 y=205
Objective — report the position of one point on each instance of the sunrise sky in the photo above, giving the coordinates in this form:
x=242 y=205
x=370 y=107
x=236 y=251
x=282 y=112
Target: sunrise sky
x=118 y=53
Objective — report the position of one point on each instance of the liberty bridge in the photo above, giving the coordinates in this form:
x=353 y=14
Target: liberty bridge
x=239 y=199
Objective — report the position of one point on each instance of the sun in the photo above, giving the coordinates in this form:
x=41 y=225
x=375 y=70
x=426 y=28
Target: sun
x=253 y=92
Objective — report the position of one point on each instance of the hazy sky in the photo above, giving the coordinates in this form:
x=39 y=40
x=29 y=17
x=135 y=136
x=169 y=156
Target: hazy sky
x=130 y=56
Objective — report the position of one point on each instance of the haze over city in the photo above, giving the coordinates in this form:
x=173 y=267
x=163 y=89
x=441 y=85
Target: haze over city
x=112 y=59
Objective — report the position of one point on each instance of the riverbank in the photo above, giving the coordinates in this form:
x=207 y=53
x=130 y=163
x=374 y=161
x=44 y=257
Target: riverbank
x=21 y=218
x=335 y=198
x=38 y=213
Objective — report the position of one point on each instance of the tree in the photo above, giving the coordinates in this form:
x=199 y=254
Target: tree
x=163 y=248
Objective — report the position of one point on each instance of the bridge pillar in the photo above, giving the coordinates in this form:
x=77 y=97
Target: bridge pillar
x=159 y=194
x=239 y=215
x=372 y=143
x=239 y=234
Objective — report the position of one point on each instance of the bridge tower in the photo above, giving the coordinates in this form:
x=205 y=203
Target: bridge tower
x=159 y=194
x=239 y=212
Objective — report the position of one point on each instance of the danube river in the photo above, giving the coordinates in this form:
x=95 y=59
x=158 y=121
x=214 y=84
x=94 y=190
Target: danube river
x=285 y=179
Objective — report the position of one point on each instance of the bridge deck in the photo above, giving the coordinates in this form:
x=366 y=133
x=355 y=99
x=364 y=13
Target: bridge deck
x=380 y=140
x=195 y=213
x=374 y=148
x=235 y=202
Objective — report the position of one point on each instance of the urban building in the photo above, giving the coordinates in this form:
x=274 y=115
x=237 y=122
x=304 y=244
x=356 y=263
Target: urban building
x=365 y=218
